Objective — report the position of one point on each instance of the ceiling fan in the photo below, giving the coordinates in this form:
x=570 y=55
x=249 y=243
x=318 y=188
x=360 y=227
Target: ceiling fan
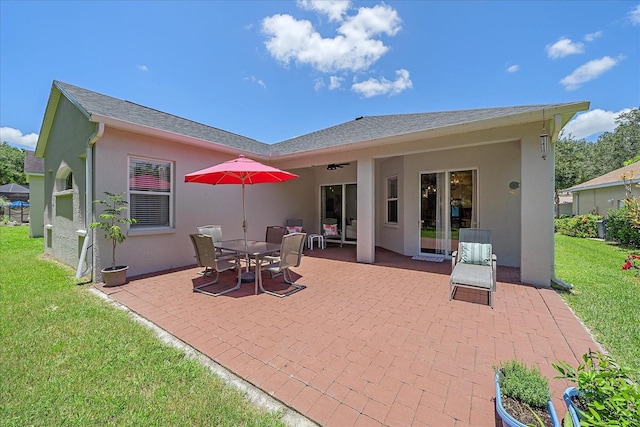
x=334 y=166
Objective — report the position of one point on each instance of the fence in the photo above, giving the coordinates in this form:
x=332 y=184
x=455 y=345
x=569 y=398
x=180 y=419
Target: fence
x=20 y=215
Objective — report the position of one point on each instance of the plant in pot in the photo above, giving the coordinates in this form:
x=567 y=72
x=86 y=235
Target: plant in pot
x=605 y=394
x=522 y=396
x=110 y=222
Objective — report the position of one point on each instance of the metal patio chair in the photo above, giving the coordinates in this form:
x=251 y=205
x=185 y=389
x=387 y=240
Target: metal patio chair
x=474 y=263
x=290 y=256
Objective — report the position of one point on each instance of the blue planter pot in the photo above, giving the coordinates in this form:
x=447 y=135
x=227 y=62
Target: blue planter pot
x=507 y=418
x=573 y=411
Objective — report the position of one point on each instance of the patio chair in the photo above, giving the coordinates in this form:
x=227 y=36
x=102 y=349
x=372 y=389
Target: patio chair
x=290 y=256
x=274 y=234
x=474 y=263
x=215 y=232
x=294 y=226
x=330 y=231
x=207 y=257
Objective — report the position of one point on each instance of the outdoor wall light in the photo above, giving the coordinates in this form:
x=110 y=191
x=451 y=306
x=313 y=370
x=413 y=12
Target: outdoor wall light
x=544 y=138
x=513 y=186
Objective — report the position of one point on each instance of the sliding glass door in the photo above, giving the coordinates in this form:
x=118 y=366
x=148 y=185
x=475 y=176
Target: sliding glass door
x=447 y=203
x=339 y=201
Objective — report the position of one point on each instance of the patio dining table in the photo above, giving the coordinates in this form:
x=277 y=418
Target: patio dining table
x=253 y=249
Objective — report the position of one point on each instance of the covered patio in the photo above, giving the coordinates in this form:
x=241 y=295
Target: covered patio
x=368 y=344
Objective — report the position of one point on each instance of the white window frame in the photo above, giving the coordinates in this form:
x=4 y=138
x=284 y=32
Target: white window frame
x=390 y=198
x=170 y=195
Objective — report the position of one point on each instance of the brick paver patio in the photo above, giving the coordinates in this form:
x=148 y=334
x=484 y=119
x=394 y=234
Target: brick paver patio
x=368 y=344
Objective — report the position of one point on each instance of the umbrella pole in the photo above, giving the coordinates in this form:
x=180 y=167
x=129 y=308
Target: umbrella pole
x=247 y=276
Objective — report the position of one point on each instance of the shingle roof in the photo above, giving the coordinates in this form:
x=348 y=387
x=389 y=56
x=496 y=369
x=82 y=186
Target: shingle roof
x=32 y=164
x=612 y=178
x=376 y=127
x=103 y=105
x=13 y=188
x=363 y=129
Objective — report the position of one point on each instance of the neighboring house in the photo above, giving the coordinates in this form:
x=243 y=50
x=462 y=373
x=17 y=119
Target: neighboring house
x=34 y=170
x=606 y=192
x=565 y=204
x=402 y=182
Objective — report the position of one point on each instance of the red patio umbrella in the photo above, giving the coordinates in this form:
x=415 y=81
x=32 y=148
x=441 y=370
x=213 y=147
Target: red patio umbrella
x=239 y=171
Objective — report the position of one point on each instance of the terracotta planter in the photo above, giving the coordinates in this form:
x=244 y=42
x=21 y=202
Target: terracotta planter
x=115 y=277
x=508 y=420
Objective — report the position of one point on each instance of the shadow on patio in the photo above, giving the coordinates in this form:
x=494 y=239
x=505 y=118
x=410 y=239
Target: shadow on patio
x=368 y=344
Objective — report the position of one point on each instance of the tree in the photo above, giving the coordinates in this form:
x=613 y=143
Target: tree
x=614 y=148
x=11 y=164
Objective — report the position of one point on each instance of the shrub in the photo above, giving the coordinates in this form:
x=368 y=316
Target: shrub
x=620 y=228
x=524 y=384
x=578 y=226
x=607 y=394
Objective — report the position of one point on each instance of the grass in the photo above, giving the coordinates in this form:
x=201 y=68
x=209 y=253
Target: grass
x=605 y=297
x=68 y=358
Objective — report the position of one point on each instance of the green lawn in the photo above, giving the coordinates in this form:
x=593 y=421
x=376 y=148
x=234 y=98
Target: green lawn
x=68 y=358
x=605 y=297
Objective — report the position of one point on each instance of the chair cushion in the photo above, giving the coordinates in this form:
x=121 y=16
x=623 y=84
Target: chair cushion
x=475 y=253
x=330 y=230
x=294 y=229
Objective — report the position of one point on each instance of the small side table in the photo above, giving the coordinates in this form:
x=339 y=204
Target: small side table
x=319 y=238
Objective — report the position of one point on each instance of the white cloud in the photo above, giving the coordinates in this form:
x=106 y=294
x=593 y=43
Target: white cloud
x=16 y=138
x=334 y=9
x=335 y=82
x=592 y=36
x=564 y=47
x=354 y=48
x=634 y=15
x=513 y=68
x=591 y=123
x=257 y=81
x=587 y=72
x=375 y=87
x=318 y=84
x=143 y=68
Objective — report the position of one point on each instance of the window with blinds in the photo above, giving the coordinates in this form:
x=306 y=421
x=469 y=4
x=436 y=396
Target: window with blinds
x=150 y=193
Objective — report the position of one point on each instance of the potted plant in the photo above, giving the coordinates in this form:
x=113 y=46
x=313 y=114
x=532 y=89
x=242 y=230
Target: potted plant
x=604 y=394
x=110 y=220
x=522 y=396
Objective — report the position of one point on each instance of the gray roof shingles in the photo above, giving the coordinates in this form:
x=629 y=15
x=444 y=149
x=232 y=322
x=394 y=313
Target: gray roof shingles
x=363 y=129
x=32 y=164
x=631 y=172
x=96 y=103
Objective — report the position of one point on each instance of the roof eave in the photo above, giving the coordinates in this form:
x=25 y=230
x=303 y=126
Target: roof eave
x=603 y=185
x=566 y=111
x=172 y=136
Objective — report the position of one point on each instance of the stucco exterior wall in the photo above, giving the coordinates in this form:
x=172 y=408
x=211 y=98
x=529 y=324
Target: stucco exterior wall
x=497 y=209
x=194 y=204
x=391 y=236
x=36 y=205
x=64 y=220
x=598 y=200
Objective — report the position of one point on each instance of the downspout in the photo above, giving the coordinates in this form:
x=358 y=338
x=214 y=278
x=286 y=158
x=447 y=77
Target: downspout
x=88 y=208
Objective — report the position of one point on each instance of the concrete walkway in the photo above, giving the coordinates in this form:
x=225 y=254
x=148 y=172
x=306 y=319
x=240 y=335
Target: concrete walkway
x=368 y=345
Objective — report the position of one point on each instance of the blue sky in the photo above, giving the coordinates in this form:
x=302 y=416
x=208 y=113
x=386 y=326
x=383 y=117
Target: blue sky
x=272 y=70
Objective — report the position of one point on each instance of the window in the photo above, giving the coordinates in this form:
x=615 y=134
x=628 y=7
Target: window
x=64 y=180
x=68 y=184
x=150 y=193
x=392 y=200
